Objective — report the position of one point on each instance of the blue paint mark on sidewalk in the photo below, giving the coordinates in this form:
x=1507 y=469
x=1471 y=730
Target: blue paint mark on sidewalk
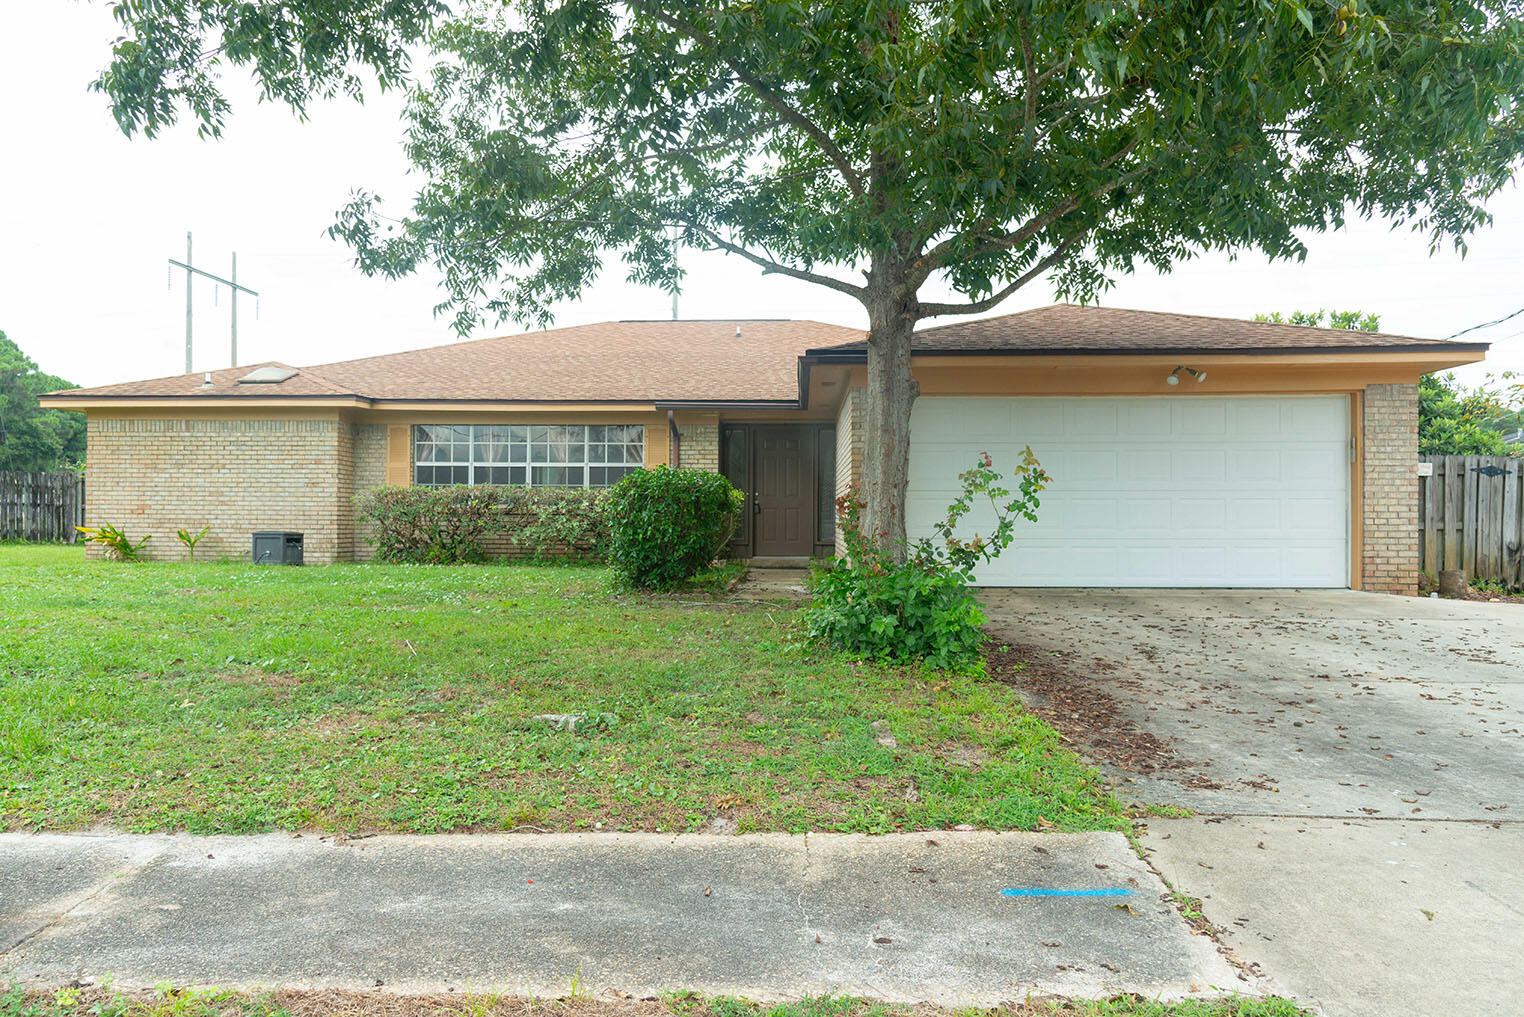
x=1044 y=891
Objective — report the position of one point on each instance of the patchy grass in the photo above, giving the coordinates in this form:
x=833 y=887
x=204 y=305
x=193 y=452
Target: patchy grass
x=167 y=1002
x=227 y=698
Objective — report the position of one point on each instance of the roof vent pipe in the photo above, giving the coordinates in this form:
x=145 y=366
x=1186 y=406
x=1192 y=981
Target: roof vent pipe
x=206 y=380
x=738 y=331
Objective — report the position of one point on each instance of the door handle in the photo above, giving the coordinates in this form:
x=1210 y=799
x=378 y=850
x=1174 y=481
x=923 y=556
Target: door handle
x=756 y=504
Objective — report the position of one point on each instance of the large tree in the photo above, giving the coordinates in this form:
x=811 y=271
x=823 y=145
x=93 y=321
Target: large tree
x=872 y=147
x=32 y=438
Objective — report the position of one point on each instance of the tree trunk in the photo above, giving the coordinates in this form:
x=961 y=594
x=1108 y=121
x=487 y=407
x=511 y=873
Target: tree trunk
x=886 y=431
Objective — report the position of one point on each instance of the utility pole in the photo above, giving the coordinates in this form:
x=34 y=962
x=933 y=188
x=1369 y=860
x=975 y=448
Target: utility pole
x=232 y=284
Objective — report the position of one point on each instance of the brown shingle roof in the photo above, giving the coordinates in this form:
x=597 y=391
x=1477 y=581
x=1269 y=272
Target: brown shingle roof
x=1073 y=328
x=705 y=361
x=224 y=383
x=614 y=361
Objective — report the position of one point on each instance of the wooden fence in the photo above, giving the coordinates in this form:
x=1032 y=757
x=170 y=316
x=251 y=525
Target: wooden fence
x=41 y=506
x=1471 y=517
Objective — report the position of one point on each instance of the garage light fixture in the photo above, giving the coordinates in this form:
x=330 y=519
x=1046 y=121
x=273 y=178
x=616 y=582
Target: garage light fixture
x=1174 y=376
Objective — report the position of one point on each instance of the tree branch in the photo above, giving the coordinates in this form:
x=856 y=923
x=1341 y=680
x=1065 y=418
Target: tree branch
x=843 y=165
x=1058 y=254
x=1029 y=74
x=933 y=259
x=771 y=267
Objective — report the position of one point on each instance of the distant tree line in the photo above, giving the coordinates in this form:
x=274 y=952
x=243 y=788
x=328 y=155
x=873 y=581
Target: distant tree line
x=32 y=438
x=1452 y=419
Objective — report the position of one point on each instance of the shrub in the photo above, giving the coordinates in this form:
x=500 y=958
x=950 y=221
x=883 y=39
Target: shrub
x=666 y=524
x=450 y=525
x=922 y=608
x=116 y=544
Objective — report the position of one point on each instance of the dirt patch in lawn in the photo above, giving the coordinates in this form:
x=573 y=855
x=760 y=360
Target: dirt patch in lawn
x=260 y=678
x=1066 y=694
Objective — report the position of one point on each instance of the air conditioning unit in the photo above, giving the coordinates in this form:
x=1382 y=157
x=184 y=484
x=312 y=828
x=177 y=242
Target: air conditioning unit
x=276 y=547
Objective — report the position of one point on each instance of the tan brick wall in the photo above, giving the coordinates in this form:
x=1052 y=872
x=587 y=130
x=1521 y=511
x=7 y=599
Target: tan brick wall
x=699 y=442
x=849 y=447
x=154 y=476
x=1389 y=471
x=369 y=471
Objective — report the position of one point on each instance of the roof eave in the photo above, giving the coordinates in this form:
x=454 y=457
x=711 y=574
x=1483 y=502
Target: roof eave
x=830 y=355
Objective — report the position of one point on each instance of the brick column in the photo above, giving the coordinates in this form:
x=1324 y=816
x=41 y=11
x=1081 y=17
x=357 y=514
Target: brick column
x=700 y=441
x=1389 y=555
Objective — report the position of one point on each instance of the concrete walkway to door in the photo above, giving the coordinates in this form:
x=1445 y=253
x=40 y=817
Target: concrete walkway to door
x=1356 y=762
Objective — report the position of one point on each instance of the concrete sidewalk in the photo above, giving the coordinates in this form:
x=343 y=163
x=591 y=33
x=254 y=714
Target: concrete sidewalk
x=908 y=917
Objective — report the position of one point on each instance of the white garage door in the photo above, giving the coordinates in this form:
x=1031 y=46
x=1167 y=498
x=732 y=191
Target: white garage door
x=1151 y=491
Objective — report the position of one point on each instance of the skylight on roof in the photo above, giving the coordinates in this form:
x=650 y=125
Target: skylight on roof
x=267 y=376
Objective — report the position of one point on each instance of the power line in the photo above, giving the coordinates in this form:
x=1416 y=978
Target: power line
x=232 y=284
x=1475 y=328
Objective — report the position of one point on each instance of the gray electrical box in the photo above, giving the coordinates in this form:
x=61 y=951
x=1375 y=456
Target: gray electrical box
x=276 y=547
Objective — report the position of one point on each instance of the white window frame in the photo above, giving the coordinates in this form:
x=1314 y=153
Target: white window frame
x=529 y=443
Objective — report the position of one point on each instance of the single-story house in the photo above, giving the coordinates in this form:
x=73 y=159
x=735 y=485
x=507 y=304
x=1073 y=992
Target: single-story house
x=1184 y=450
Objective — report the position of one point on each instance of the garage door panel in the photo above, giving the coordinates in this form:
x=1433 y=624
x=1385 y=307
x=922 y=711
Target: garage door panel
x=1149 y=419
x=1320 y=468
x=1146 y=517
x=1255 y=420
x=1197 y=465
x=1317 y=418
x=1035 y=419
x=1139 y=467
x=1251 y=467
x=974 y=419
x=1194 y=417
x=1202 y=516
x=1164 y=491
x=1257 y=517
x=1098 y=467
x=1092 y=418
x=1203 y=564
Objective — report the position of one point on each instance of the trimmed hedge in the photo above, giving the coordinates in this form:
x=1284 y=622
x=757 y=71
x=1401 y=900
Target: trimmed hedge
x=666 y=524
x=449 y=525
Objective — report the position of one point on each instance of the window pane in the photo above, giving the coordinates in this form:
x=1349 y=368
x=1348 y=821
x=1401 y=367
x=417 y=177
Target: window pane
x=557 y=476
x=491 y=444
x=499 y=475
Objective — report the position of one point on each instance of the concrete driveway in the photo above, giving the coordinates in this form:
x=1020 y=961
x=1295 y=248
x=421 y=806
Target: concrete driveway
x=1356 y=765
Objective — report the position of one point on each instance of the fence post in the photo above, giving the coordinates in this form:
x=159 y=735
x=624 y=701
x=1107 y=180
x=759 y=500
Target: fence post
x=1513 y=524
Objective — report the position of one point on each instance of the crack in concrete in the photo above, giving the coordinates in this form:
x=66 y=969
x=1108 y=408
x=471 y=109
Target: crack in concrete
x=133 y=869
x=1197 y=814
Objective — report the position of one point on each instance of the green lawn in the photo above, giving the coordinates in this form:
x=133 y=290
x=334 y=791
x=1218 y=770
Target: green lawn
x=225 y=698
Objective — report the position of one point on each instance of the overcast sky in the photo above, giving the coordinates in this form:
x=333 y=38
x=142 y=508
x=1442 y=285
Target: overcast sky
x=88 y=219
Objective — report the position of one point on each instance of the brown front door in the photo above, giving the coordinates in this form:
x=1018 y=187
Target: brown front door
x=784 y=500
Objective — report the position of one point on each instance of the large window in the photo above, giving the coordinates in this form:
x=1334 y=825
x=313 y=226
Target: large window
x=538 y=455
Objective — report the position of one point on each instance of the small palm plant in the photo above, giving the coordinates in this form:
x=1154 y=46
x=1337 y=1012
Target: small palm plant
x=116 y=543
x=190 y=540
